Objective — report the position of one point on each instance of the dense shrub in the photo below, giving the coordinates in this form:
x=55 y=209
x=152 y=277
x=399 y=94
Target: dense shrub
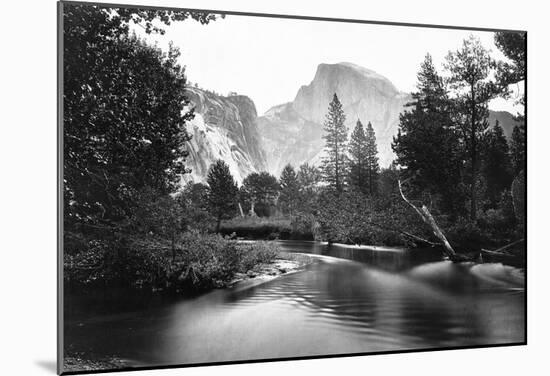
x=201 y=261
x=108 y=263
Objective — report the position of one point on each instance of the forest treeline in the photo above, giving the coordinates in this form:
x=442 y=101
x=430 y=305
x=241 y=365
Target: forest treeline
x=127 y=221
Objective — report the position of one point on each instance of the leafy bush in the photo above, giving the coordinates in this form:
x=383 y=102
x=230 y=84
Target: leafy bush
x=108 y=263
x=252 y=254
x=202 y=261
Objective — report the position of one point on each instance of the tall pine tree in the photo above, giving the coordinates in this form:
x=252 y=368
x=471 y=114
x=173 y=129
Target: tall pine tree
x=358 y=159
x=334 y=164
x=471 y=68
x=426 y=145
x=372 y=159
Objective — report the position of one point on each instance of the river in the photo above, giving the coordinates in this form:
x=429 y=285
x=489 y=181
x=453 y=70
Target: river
x=349 y=300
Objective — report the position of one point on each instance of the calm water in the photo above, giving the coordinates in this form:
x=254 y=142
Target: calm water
x=349 y=300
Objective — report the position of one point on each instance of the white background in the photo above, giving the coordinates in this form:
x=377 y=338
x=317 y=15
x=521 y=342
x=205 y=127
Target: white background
x=28 y=187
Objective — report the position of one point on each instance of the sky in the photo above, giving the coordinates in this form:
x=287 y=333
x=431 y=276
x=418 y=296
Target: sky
x=268 y=59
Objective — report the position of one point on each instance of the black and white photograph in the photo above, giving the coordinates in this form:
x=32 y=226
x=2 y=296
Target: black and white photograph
x=239 y=187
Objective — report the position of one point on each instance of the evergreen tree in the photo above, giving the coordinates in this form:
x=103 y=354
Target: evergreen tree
x=372 y=159
x=222 y=192
x=427 y=144
x=334 y=164
x=359 y=167
x=517 y=149
x=289 y=190
x=471 y=68
x=496 y=164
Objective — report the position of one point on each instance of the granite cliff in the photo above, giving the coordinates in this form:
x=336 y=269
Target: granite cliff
x=223 y=128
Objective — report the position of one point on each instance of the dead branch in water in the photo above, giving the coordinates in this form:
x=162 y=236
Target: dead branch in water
x=430 y=221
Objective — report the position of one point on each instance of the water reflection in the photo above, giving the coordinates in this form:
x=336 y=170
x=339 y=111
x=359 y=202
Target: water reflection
x=354 y=300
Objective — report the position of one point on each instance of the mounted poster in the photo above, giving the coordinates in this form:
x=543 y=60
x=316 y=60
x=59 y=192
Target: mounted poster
x=240 y=187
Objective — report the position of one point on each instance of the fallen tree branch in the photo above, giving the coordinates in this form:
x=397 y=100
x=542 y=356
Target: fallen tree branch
x=430 y=221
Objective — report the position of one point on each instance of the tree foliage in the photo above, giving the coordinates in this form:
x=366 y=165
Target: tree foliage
x=496 y=168
x=222 y=192
x=309 y=177
x=334 y=164
x=373 y=168
x=358 y=173
x=260 y=192
x=363 y=166
x=194 y=200
x=513 y=46
x=123 y=115
x=471 y=69
x=427 y=143
x=289 y=190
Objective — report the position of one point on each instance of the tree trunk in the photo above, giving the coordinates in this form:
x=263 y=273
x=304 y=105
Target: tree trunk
x=241 y=210
x=429 y=220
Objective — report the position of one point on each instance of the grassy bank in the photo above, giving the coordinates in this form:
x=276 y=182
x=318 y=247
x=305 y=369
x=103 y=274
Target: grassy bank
x=267 y=228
